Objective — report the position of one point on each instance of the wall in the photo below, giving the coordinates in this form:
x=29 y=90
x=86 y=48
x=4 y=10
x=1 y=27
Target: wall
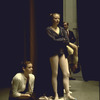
x=70 y=16
x=70 y=12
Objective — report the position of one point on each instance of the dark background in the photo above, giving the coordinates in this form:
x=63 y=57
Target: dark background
x=14 y=34
x=89 y=39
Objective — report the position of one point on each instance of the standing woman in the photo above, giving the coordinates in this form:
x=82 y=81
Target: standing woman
x=57 y=51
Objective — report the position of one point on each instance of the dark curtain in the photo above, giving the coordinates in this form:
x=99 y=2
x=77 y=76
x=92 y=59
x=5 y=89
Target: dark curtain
x=14 y=39
x=42 y=10
x=88 y=25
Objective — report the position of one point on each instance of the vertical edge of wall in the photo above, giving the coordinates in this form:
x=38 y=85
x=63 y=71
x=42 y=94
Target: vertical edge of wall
x=64 y=10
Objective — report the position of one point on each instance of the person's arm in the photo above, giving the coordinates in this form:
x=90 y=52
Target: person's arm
x=33 y=92
x=56 y=39
x=33 y=82
x=73 y=39
x=15 y=86
x=66 y=37
x=53 y=37
x=24 y=96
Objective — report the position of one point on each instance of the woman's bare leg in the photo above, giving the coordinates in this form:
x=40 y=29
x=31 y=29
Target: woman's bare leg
x=75 y=55
x=75 y=47
x=54 y=67
x=65 y=70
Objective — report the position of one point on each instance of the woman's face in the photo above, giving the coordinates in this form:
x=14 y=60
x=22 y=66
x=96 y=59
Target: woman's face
x=29 y=69
x=56 y=19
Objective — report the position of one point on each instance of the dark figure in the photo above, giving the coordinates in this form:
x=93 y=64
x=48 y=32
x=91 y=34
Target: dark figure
x=70 y=34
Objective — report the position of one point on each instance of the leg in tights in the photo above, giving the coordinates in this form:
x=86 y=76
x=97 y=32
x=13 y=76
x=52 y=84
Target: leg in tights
x=65 y=70
x=54 y=67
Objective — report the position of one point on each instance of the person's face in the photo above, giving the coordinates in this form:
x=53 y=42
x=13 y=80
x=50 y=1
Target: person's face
x=28 y=69
x=56 y=19
x=65 y=25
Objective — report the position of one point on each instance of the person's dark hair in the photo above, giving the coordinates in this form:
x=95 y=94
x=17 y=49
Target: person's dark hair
x=66 y=23
x=24 y=64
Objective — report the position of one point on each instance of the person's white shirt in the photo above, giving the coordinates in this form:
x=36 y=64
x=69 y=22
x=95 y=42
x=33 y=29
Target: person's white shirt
x=19 y=84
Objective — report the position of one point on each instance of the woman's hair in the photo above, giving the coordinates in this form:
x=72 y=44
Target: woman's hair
x=51 y=15
x=23 y=65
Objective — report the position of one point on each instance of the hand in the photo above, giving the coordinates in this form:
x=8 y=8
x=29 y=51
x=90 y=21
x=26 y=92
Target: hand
x=27 y=95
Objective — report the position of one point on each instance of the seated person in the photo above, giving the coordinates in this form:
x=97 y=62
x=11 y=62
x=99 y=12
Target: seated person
x=22 y=84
